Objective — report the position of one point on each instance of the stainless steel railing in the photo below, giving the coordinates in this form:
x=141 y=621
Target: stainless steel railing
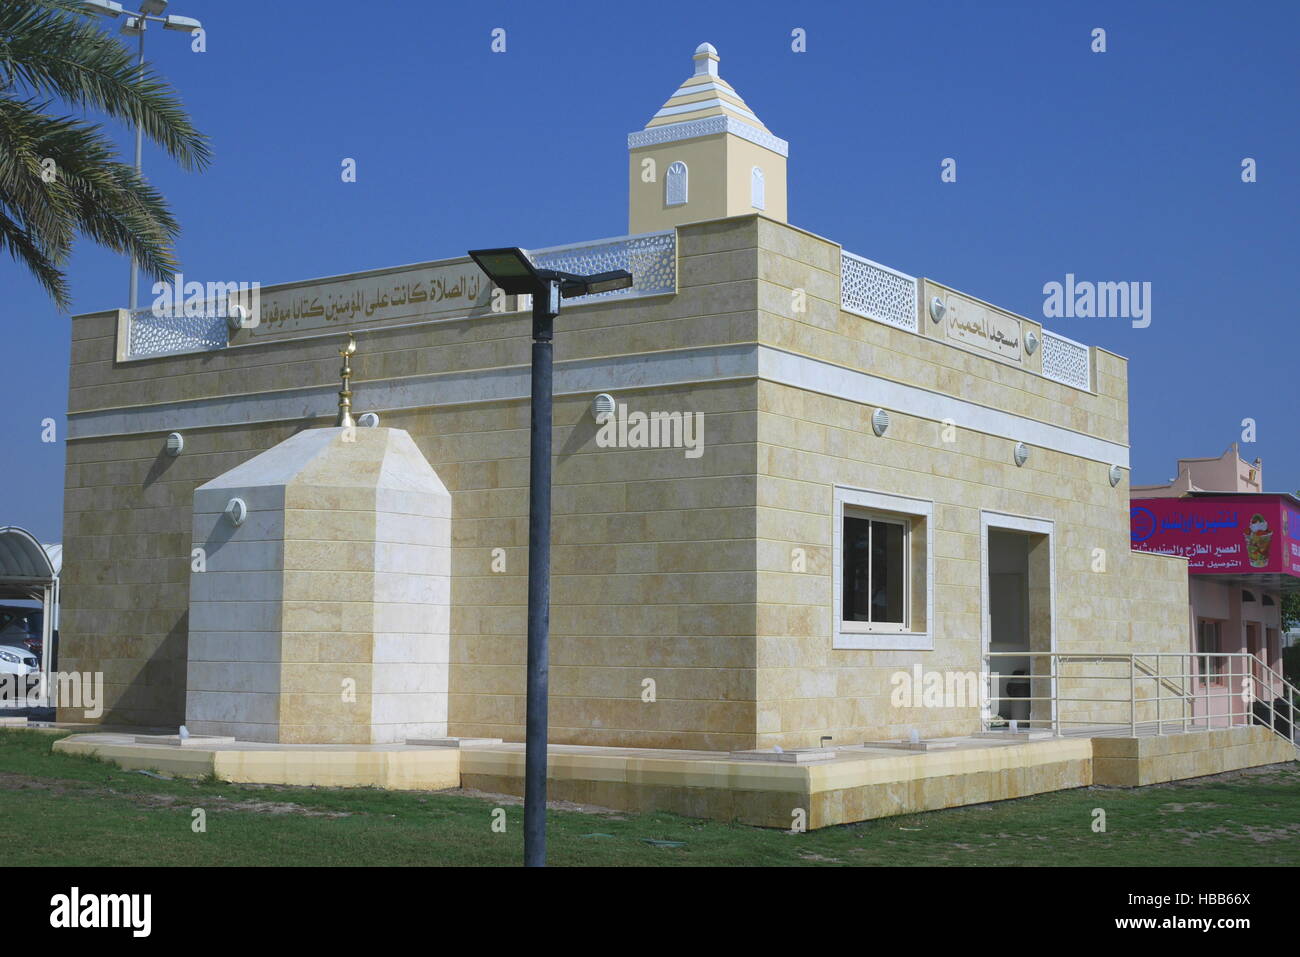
x=1158 y=692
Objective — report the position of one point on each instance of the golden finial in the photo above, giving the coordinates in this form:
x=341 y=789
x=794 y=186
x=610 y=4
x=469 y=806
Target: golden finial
x=345 y=394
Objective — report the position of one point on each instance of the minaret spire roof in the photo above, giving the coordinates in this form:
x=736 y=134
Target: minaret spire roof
x=705 y=94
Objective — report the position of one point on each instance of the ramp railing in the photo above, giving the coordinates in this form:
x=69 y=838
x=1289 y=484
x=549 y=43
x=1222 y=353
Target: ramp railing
x=1136 y=694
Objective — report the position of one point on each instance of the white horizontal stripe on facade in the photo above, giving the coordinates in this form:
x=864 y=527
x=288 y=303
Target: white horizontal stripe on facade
x=608 y=374
x=706 y=105
x=686 y=90
x=574 y=377
x=815 y=375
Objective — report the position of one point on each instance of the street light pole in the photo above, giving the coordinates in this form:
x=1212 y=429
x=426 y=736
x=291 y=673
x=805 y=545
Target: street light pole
x=139 y=150
x=513 y=272
x=545 y=308
x=137 y=21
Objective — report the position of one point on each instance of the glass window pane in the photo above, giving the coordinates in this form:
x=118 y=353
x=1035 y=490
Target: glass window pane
x=1207 y=641
x=888 y=572
x=857 y=555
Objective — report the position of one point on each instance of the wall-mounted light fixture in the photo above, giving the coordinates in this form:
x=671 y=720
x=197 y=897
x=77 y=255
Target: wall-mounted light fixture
x=1021 y=454
x=1031 y=342
x=175 y=444
x=880 y=422
x=937 y=309
x=236 y=315
x=1116 y=473
x=368 y=420
x=603 y=404
x=236 y=511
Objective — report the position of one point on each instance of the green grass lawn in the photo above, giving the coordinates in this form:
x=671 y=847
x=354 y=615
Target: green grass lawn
x=62 y=810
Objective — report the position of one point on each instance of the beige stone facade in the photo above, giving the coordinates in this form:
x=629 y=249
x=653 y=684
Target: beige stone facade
x=726 y=594
x=666 y=567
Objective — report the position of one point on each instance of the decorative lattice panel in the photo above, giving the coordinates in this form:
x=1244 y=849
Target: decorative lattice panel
x=160 y=335
x=650 y=258
x=877 y=292
x=1066 y=361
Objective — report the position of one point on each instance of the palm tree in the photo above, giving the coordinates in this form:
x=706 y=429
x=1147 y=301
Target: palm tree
x=59 y=175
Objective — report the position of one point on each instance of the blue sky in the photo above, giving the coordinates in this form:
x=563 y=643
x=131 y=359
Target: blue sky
x=1115 y=166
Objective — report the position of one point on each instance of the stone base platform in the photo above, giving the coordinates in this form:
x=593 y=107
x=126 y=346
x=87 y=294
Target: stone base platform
x=1155 y=759
x=856 y=783
x=176 y=741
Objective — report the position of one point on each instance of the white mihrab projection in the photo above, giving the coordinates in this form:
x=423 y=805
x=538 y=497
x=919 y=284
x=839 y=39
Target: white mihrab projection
x=323 y=617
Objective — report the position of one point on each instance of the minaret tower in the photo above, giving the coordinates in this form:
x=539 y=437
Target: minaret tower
x=704 y=155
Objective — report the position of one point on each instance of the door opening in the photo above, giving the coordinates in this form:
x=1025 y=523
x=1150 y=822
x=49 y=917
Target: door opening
x=1019 y=622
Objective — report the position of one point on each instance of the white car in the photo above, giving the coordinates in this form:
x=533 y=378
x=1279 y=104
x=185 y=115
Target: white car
x=17 y=661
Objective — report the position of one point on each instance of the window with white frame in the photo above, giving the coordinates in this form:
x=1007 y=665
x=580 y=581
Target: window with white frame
x=883 y=569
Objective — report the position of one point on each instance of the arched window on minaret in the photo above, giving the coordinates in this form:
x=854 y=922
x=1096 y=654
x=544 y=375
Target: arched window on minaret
x=757 y=189
x=676 y=184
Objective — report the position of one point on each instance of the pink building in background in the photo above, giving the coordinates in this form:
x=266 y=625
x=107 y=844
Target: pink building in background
x=1242 y=547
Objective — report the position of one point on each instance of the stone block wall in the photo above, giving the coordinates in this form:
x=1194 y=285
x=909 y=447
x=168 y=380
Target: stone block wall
x=677 y=618
x=811 y=442
x=323 y=617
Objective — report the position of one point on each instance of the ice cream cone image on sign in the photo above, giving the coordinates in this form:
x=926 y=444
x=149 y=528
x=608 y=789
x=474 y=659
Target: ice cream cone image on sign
x=1257 y=540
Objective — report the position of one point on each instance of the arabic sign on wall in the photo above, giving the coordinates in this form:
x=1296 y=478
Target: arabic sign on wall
x=416 y=292
x=977 y=325
x=1255 y=534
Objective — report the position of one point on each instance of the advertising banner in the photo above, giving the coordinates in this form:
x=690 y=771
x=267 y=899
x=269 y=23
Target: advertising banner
x=1255 y=534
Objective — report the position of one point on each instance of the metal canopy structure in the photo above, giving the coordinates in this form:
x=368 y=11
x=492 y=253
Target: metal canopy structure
x=30 y=571
x=27 y=567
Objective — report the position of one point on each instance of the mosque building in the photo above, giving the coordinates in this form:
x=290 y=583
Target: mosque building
x=785 y=474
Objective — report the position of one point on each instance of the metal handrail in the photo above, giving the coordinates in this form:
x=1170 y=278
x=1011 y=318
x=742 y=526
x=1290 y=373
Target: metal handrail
x=1288 y=694
x=1185 y=685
